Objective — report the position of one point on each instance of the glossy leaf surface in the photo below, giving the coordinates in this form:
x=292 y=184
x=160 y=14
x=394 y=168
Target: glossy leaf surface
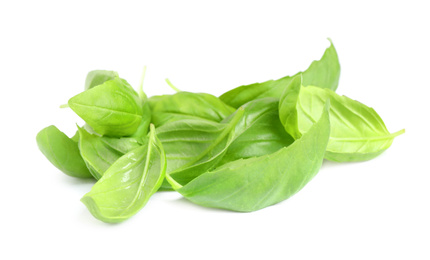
x=255 y=183
x=357 y=131
x=112 y=108
x=186 y=105
x=100 y=152
x=323 y=73
x=258 y=132
x=98 y=77
x=62 y=152
x=129 y=183
x=194 y=146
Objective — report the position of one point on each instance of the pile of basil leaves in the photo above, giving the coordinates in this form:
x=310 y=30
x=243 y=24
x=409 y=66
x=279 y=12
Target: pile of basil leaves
x=252 y=147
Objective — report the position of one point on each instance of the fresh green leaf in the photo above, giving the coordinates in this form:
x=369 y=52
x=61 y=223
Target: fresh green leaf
x=112 y=108
x=62 y=152
x=258 y=132
x=252 y=184
x=186 y=105
x=194 y=146
x=323 y=73
x=128 y=184
x=98 y=77
x=100 y=152
x=357 y=131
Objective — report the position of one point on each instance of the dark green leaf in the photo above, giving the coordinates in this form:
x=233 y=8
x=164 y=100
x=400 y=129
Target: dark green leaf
x=258 y=132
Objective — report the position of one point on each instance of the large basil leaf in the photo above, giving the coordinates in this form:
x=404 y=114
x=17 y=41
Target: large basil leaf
x=98 y=77
x=194 y=146
x=62 y=152
x=258 y=132
x=112 y=108
x=323 y=73
x=100 y=152
x=252 y=184
x=129 y=183
x=357 y=131
x=186 y=105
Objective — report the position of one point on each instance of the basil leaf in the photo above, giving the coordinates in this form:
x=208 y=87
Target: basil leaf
x=194 y=146
x=112 y=108
x=258 y=132
x=186 y=105
x=142 y=129
x=357 y=131
x=62 y=152
x=98 y=77
x=100 y=152
x=323 y=73
x=128 y=184
x=252 y=184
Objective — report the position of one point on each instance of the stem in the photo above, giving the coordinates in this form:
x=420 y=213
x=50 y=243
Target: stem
x=172 y=86
x=64 y=106
x=175 y=185
x=142 y=94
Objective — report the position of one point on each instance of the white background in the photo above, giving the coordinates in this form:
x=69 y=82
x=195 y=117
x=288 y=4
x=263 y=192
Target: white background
x=372 y=210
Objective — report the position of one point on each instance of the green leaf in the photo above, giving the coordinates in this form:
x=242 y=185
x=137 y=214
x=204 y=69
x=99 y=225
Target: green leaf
x=258 y=132
x=98 y=77
x=142 y=129
x=112 y=108
x=62 y=152
x=357 y=131
x=252 y=184
x=194 y=146
x=323 y=73
x=100 y=152
x=129 y=183
x=186 y=105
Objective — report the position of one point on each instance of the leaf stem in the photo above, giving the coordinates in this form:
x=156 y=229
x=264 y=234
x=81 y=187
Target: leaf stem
x=172 y=86
x=64 y=106
x=175 y=185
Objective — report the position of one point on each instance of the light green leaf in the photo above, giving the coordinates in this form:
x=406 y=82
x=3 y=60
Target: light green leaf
x=357 y=131
x=98 y=77
x=194 y=146
x=252 y=184
x=186 y=105
x=128 y=184
x=112 y=108
x=100 y=152
x=62 y=152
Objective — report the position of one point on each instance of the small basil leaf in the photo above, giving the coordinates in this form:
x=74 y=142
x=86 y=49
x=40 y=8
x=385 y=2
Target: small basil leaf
x=62 y=152
x=357 y=131
x=323 y=73
x=258 y=132
x=100 y=152
x=252 y=184
x=194 y=146
x=112 y=108
x=98 y=77
x=186 y=105
x=128 y=184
